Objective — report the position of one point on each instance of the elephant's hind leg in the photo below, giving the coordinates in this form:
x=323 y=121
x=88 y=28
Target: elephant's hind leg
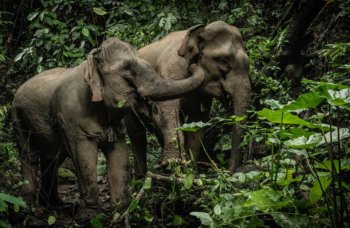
x=48 y=195
x=29 y=157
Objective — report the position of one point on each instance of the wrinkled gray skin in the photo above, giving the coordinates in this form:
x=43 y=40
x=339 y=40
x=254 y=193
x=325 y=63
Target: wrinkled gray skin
x=218 y=48
x=76 y=111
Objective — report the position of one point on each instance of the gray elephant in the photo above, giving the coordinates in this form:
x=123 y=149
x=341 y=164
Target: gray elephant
x=76 y=111
x=218 y=48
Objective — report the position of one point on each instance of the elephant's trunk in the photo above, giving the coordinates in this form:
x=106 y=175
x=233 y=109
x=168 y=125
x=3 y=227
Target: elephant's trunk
x=151 y=85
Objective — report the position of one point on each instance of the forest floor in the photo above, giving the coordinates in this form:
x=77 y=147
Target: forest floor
x=71 y=215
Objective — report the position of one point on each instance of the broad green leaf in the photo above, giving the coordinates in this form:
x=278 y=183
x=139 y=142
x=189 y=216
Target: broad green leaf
x=188 y=180
x=193 y=127
x=85 y=32
x=340 y=98
x=51 y=220
x=148 y=183
x=324 y=86
x=316 y=190
x=283 y=117
x=13 y=200
x=266 y=200
x=204 y=218
x=327 y=164
x=305 y=101
x=303 y=142
x=333 y=136
x=99 y=11
x=233 y=120
x=295 y=132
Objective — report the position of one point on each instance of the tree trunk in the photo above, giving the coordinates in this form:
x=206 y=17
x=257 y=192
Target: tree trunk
x=290 y=58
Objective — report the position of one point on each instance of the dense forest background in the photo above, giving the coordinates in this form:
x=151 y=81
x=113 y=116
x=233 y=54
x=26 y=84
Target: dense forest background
x=296 y=170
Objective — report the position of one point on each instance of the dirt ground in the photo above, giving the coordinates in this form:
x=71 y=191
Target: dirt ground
x=72 y=215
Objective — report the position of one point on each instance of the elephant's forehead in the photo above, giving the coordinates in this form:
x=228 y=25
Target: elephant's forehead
x=116 y=49
x=219 y=49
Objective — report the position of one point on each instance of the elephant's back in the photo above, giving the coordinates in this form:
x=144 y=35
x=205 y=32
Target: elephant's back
x=164 y=58
x=164 y=48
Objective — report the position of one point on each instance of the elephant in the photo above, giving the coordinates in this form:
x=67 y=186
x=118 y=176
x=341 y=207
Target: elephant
x=75 y=112
x=218 y=48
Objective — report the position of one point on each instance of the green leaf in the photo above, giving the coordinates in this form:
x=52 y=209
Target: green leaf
x=231 y=119
x=217 y=209
x=283 y=117
x=295 y=132
x=266 y=200
x=51 y=220
x=327 y=164
x=188 y=180
x=13 y=200
x=99 y=11
x=148 y=183
x=3 y=206
x=288 y=220
x=32 y=16
x=178 y=220
x=121 y=103
x=274 y=104
x=340 y=98
x=305 y=101
x=193 y=127
x=19 y=56
x=133 y=205
x=316 y=190
x=303 y=142
x=4 y=224
x=204 y=218
x=65 y=173
x=85 y=32
x=96 y=221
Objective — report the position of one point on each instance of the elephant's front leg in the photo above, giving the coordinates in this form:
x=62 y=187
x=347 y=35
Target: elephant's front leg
x=85 y=160
x=137 y=134
x=196 y=110
x=116 y=154
x=167 y=120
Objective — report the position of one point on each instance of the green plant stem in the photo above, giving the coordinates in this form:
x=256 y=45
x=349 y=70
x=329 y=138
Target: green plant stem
x=342 y=209
x=216 y=167
x=334 y=174
x=314 y=173
x=278 y=152
x=272 y=162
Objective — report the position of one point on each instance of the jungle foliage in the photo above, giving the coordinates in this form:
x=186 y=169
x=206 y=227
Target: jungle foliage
x=296 y=170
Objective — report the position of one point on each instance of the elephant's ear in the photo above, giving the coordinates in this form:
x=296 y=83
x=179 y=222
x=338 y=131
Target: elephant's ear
x=92 y=77
x=189 y=46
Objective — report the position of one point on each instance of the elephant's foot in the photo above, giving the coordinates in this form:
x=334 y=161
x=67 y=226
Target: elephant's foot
x=171 y=156
x=55 y=203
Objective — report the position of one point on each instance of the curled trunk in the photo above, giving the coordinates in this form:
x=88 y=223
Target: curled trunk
x=157 y=88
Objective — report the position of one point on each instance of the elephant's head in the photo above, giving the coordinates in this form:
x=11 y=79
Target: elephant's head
x=218 y=48
x=115 y=72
